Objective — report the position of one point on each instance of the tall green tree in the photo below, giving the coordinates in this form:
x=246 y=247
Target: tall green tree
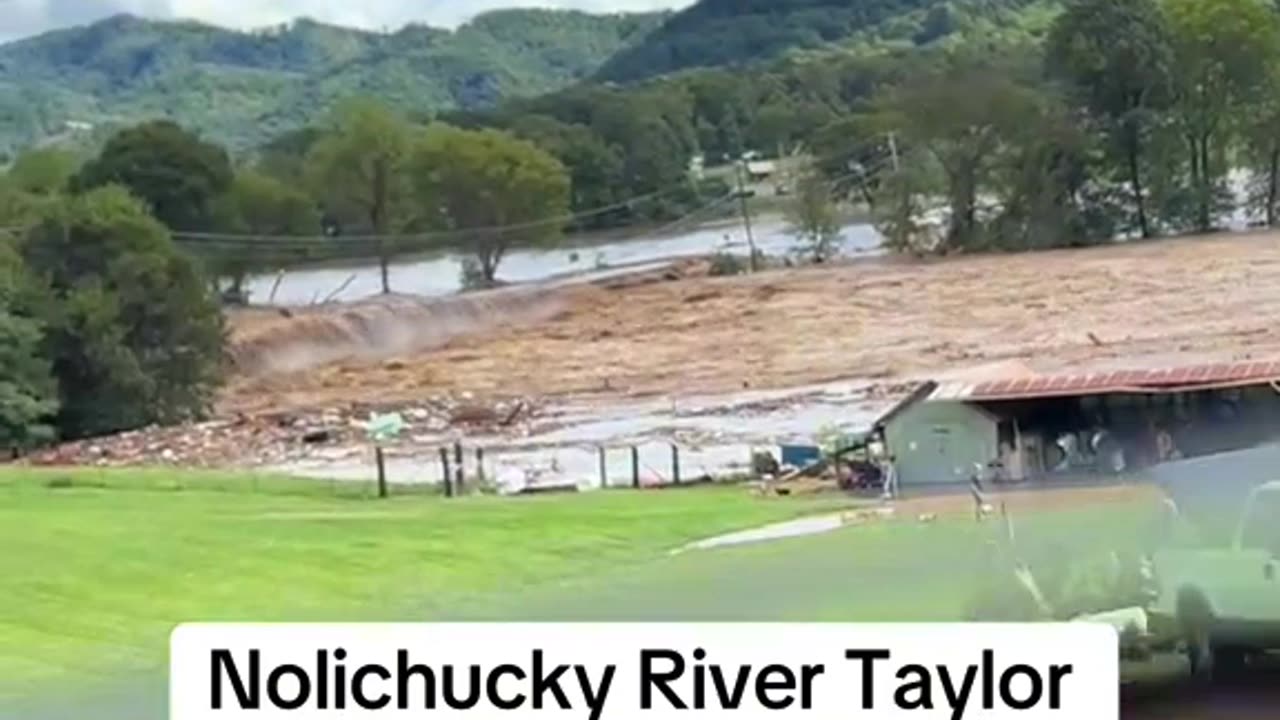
x=595 y=168
x=1116 y=58
x=261 y=206
x=359 y=169
x=28 y=393
x=495 y=190
x=1261 y=130
x=813 y=214
x=133 y=333
x=958 y=108
x=1223 y=51
x=178 y=175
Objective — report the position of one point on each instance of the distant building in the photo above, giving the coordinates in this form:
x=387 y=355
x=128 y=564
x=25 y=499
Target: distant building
x=761 y=170
x=697 y=167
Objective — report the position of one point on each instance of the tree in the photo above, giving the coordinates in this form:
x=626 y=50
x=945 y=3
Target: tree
x=358 y=169
x=813 y=214
x=958 y=109
x=1262 y=138
x=28 y=394
x=133 y=334
x=43 y=172
x=1046 y=197
x=178 y=175
x=1116 y=57
x=17 y=207
x=595 y=168
x=498 y=191
x=260 y=205
x=1223 y=51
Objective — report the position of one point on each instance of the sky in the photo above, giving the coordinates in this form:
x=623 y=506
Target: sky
x=20 y=18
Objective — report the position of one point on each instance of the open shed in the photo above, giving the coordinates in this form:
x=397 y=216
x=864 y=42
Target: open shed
x=1033 y=426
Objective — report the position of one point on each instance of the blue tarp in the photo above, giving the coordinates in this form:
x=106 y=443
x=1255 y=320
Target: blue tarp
x=800 y=455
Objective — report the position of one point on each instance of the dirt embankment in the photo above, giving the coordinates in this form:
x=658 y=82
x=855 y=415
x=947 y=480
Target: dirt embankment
x=1141 y=304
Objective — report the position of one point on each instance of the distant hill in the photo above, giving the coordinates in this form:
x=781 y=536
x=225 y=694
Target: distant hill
x=714 y=33
x=243 y=87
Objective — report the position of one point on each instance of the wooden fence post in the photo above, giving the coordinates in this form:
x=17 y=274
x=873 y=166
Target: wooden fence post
x=457 y=456
x=382 y=471
x=446 y=473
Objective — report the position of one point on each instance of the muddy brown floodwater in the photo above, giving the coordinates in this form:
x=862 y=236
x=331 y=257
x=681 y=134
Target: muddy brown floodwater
x=1139 y=304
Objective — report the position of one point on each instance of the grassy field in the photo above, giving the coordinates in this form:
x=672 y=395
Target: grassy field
x=99 y=566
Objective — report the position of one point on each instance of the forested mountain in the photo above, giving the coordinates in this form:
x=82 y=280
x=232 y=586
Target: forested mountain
x=715 y=33
x=242 y=88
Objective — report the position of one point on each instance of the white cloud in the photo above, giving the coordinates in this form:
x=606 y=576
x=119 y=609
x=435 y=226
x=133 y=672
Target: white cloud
x=19 y=18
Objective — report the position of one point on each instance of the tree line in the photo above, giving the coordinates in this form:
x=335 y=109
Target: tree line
x=1131 y=118
x=109 y=309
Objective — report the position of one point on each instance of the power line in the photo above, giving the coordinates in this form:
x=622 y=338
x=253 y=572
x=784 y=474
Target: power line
x=440 y=234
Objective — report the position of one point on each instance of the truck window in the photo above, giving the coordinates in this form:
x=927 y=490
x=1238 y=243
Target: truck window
x=1261 y=529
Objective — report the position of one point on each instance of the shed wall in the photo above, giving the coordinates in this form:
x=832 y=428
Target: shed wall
x=939 y=442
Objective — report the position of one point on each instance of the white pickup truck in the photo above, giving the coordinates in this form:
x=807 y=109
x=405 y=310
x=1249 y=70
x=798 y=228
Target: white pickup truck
x=1225 y=603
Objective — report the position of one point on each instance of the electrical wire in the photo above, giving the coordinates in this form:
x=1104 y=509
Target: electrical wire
x=459 y=232
x=404 y=244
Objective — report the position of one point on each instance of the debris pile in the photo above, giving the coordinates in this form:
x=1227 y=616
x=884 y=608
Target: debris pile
x=274 y=438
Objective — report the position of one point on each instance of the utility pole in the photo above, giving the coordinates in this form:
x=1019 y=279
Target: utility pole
x=746 y=212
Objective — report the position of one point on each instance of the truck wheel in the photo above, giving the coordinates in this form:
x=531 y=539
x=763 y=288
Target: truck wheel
x=1200 y=654
x=1228 y=662
x=1196 y=622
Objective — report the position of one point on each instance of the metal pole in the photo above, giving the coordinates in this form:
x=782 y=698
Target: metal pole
x=746 y=213
x=675 y=463
x=480 y=464
x=635 y=467
x=604 y=469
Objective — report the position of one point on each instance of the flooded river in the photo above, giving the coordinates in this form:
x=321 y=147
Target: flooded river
x=435 y=275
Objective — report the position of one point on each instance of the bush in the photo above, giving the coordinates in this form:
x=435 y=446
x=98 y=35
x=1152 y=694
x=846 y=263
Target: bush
x=27 y=390
x=724 y=264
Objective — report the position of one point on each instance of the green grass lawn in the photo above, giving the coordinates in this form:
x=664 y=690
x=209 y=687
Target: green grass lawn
x=901 y=571
x=98 y=566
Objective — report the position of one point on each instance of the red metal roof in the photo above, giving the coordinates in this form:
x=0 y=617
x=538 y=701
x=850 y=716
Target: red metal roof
x=1177 y=379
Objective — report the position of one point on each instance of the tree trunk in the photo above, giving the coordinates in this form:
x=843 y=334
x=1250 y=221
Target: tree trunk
x=1134 y=147
x=1206 y=186
x=377 y=218
x=1273 y=170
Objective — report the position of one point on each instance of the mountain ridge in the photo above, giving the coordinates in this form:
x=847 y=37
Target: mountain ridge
x=241 y=86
